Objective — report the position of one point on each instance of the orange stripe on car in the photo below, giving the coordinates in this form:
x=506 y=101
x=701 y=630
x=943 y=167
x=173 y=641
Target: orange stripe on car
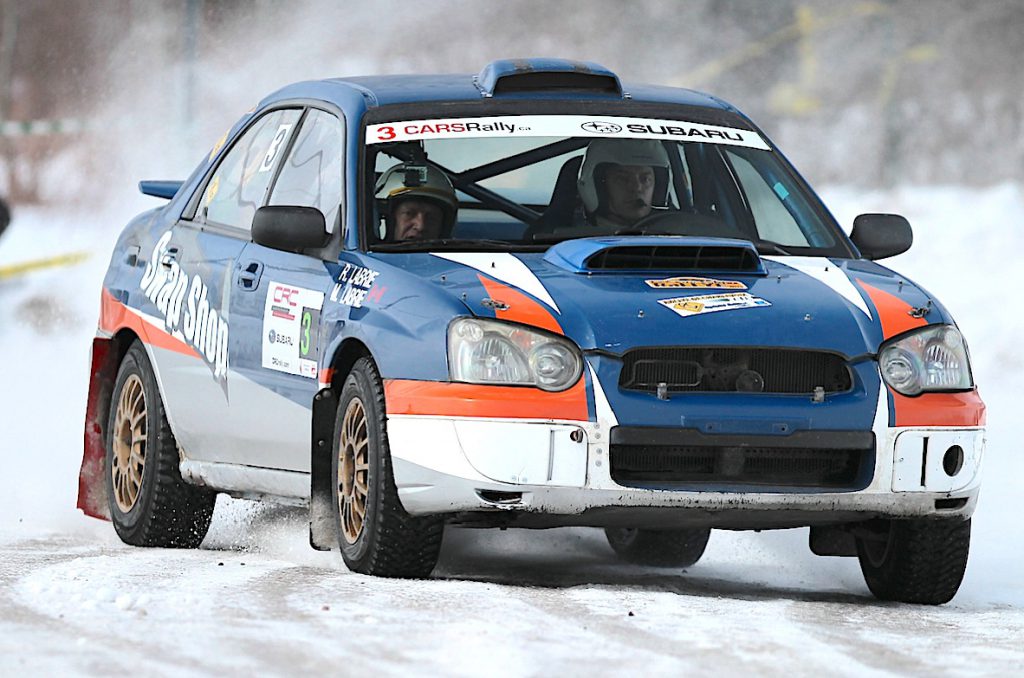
x=893 y=312
x=115 y=316
x=927 y=409
x=439 y=398
x=521 y=308
x=939 y=409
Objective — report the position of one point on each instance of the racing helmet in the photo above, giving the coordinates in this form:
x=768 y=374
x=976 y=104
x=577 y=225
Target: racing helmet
x=603 y=152
x=421 y=181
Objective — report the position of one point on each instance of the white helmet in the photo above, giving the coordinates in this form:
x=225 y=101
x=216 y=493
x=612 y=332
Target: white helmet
x=414 y=180
x=639 y=152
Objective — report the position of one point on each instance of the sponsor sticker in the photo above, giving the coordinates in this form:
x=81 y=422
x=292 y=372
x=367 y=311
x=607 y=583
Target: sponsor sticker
x=291 y=324
x=690 y=282
x=354 y=285
x=561 y=126
x=188 y=308
x=712 y=303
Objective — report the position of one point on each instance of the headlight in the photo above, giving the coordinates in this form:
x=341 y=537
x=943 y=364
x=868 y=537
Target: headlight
x=931 y=359
x=492 y=352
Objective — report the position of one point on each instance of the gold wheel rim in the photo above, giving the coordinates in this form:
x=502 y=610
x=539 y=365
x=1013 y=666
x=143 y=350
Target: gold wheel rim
x=129 y=444
x=353 y=470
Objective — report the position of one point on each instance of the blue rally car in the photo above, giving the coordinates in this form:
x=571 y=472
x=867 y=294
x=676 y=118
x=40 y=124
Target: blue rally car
x=533 y=297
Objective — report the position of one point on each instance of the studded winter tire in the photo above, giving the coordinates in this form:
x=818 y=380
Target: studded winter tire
x=915 y=561
x=150 y=505
x=375 y=534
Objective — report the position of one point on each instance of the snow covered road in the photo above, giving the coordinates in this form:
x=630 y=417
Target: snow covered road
x=557 y=604
x=256 y=598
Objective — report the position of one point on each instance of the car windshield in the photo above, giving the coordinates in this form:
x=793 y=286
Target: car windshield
x=528 y=182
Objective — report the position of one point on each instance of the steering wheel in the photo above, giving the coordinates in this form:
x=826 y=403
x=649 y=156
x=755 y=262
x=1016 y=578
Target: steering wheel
x=676 y=222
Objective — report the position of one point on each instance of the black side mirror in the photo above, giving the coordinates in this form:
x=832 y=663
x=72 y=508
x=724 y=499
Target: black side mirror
x=878 y=236
x=289 y=228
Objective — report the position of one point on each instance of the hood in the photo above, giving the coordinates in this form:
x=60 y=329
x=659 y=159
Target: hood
x=597 y=292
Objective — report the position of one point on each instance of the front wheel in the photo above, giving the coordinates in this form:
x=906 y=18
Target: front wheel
x=663 y=548
x=375 y=533
x=915 y=561
x=150 y=504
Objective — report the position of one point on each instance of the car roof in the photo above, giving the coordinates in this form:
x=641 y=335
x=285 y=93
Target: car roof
x=558 y=79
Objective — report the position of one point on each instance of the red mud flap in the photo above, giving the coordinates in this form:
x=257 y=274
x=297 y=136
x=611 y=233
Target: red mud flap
x=91 y=495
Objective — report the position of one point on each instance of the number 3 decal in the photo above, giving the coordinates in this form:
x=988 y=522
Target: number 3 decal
x=386 y=133
x=307 y=320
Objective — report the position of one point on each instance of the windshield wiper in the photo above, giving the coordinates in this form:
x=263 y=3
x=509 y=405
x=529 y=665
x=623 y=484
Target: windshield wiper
x=769 y=247
x=453 y=244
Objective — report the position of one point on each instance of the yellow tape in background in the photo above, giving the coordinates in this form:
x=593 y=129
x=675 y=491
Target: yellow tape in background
x=14 y=270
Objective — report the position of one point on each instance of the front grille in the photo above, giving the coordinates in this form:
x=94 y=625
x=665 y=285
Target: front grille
x=680 y=458
x=647 y=465
x=757 y=370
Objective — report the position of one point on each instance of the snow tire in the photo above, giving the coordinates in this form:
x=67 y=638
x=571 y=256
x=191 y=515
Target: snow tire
x=661 y=548
x=389 y=541
x=163 y=510
x=915 y=561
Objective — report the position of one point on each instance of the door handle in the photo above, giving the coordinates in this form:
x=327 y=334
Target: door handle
x=249 y=273
x=169 y=257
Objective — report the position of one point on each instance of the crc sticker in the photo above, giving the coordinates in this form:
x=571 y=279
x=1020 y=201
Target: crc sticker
x=291 y=322
x=688 y=282
x=711 y=303
x=561 y=126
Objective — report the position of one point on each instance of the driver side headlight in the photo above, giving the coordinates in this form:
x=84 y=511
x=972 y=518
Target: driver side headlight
x=933 y=358
x=507 y=354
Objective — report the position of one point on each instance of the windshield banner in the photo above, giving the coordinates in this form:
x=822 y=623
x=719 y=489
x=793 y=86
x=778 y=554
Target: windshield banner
x=561 y=126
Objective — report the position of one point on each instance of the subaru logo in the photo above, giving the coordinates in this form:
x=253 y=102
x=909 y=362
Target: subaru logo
x=272 y=336
x=600 y=127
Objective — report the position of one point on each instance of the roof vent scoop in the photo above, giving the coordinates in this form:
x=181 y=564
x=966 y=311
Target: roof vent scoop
x=511 y=76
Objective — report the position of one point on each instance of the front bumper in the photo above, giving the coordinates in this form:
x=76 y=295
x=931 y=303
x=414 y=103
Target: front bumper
x=550 y=473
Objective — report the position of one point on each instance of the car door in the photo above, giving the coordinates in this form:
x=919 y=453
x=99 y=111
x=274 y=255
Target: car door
x=204 y=246
x=277 y=299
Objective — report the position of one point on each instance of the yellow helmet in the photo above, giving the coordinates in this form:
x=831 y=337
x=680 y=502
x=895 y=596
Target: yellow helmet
x=421 y=181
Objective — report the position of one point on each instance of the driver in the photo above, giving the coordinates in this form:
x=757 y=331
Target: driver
x=421 y=202
x=621 y=180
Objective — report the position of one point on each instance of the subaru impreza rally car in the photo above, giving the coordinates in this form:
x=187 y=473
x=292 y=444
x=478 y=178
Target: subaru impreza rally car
x=532 y=297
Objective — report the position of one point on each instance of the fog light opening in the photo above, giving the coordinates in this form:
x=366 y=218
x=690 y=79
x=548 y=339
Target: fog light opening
x=953 y=460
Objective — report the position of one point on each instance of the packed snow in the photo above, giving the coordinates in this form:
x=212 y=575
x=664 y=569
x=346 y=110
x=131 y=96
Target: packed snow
x=257 y=598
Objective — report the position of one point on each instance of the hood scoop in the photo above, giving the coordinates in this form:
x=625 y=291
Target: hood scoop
x=655 y=253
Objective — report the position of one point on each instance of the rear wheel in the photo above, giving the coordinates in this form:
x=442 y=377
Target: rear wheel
x=664 y=548
x=375 y=533
x=150 y=505
x=915 y=561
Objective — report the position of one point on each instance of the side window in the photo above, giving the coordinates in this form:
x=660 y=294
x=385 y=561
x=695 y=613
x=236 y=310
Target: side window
x=774 y=222
x=311 y=176
x=237 y=188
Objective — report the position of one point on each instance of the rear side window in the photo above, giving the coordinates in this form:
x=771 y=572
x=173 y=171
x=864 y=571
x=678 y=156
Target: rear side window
x=239 y=185
x=311 y=176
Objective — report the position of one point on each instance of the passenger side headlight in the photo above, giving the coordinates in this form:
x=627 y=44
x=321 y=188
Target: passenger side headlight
x=933 y=358
x=494 y=352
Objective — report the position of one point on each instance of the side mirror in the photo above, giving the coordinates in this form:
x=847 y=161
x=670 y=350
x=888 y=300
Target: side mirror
x=878 y=236
x=289 y=228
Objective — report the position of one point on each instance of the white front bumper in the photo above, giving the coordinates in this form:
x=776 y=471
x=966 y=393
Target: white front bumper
x=447 y=465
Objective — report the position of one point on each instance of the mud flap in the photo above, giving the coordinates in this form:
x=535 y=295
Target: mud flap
x=91 y=495
x=322 y=533
x=832 y=540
